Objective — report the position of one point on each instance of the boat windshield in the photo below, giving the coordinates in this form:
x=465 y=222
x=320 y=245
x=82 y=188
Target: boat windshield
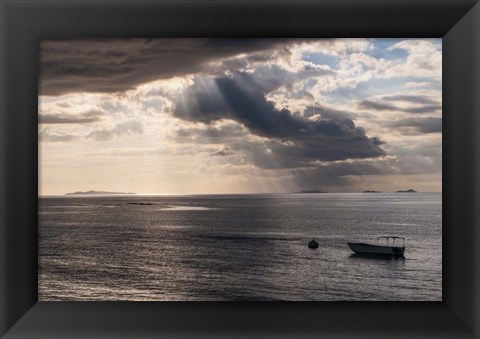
x=391 y=238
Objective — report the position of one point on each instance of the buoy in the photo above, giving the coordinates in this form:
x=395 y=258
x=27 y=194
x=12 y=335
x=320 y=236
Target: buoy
x=313 y=244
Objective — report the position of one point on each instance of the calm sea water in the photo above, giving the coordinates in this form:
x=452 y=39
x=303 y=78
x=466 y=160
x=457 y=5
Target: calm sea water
x=237 y=247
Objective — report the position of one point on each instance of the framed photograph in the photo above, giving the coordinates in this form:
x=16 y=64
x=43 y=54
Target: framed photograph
x=239 y=169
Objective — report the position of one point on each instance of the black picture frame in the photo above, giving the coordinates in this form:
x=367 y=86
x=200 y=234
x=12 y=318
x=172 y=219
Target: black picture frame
x=24 y=22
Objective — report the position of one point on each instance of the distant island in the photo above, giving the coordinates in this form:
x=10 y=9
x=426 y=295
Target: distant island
x=311 y=191
x=369 y=191
x=96 y=193
x=407 y=191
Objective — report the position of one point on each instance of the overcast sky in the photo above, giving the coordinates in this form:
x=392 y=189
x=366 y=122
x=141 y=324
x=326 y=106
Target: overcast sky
x=201 y=116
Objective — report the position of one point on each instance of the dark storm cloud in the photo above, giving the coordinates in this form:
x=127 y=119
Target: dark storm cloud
x=290 y=141
x=331 y=177
x=274 y=154
x=83 y=118
x=112 y=65
x=242 y=99
x=385 y=106
x=419 y=125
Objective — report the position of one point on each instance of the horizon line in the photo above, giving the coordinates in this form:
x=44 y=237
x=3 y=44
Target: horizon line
x=185 y=194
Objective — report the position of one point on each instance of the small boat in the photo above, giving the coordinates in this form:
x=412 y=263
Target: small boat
x=378 y=249
x=313 y=244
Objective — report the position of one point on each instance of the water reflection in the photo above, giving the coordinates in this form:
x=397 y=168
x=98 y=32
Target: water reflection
x=382 y=257
x=237 y=248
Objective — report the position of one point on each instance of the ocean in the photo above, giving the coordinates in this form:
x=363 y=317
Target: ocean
x=238 y=247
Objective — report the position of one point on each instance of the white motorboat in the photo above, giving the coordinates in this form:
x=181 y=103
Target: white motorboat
x=380 y=249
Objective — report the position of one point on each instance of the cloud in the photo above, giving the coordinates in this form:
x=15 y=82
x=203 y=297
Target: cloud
x=421 y=104
x=341 y=176
x=54 y=119
x=270 y=78
x=161 y=152
x=82 y=118
x=418 y=99
x=423 y=109
x=419 y=125
x=220 y=132
x=46 y=135
x=219 y=154
x=114 y=65
x=289 y=140
x=424 y=59
x=377 y=106
x=419 y=84
x=226 y=152
x=297 y=114
x=127 y=127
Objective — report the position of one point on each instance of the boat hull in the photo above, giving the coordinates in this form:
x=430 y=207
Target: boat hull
x=361 y=248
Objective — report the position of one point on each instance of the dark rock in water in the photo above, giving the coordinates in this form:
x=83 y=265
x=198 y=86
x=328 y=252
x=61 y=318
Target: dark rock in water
x=313 y=244
x=407 y=191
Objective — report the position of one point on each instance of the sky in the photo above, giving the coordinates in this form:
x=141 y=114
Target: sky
x=224 y=116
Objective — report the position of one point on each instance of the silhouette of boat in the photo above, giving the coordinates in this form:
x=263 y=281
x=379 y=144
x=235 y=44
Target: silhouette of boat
x=378 y=249
x=313 y=244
